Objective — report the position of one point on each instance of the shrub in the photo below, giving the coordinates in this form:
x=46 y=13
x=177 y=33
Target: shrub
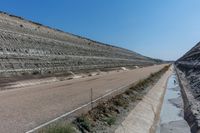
x=110 y=120
x=84 y=123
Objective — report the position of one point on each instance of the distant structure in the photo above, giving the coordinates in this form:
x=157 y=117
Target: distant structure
x=29 y=47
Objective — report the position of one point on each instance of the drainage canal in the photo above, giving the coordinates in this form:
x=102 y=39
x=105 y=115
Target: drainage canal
x=171 y=116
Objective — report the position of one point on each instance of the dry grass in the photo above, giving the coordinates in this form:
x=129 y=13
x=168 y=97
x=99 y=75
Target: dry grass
x=59 y=128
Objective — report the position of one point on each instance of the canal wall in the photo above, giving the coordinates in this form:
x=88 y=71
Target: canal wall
x=191 y=105
x=144 y=116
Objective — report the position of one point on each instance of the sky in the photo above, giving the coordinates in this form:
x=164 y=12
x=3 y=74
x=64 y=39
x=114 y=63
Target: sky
x=163 y=29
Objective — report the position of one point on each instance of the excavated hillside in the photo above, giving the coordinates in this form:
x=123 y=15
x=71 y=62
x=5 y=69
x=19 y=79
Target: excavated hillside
x=189 y=75
x=190 y=65
x=29 y=47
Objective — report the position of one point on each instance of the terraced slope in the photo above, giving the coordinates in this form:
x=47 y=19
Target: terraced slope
x=28 y=47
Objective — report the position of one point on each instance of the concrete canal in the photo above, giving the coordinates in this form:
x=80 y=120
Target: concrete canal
x=171 y=115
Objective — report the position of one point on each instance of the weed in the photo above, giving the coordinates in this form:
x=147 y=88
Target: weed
x=59 y=128
x=120 y=101
x=128 y=92
x=84 y=123
x=110 y=120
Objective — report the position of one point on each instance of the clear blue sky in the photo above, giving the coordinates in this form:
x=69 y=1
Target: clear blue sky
x=163 y=29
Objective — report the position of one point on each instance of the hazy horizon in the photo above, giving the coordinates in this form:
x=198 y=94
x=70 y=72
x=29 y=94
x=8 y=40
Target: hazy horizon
x=164 y=30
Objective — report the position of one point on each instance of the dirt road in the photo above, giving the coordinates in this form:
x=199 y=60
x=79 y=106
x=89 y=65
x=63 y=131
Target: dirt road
x=24 y=108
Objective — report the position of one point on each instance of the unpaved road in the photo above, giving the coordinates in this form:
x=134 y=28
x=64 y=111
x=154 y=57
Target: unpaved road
x=24 y=108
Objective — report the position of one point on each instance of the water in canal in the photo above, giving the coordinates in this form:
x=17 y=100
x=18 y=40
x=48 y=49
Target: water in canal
x=171 y=116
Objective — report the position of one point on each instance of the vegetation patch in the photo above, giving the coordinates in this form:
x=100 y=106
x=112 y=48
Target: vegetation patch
x=110 y=120
x=83 y=123
x=59 y=128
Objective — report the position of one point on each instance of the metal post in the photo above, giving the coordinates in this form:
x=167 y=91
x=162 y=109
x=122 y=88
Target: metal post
x=91 y=98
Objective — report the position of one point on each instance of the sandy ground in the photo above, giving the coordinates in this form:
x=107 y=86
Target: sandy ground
x=27 y=107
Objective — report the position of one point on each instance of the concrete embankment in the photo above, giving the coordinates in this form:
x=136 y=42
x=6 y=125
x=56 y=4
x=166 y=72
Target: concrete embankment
x=141 y=119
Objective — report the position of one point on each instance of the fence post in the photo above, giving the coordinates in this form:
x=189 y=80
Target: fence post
x=91 y=98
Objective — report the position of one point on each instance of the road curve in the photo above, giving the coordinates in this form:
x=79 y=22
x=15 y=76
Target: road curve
x=24 y=108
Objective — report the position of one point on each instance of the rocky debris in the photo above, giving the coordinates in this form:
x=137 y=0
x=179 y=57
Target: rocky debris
x=189 y=64
x=29 y=47
x=189 y=75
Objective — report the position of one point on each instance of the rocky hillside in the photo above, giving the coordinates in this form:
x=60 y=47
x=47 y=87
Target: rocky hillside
x=189 y=77
x=190 y=65
x=29 y=47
